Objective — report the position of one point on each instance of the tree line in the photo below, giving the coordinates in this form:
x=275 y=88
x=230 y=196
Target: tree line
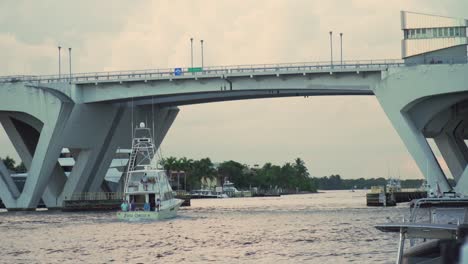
x=335 y=182
x=290 y=177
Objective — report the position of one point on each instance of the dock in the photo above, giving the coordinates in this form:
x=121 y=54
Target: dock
x=89 y=201
x=393 y=198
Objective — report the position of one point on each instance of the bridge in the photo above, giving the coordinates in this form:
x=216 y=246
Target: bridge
x=425 y=95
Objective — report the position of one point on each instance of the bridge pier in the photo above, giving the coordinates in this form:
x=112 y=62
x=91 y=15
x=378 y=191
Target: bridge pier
x=416 y=100
x=52 y=110
x=453 y=149
x=23 y=131
x=92 y=132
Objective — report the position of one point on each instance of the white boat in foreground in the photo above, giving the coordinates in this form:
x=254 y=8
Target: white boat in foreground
x=148 y=194
x=437 y=230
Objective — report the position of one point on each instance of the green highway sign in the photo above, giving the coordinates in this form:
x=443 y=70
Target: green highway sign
x=195 y=69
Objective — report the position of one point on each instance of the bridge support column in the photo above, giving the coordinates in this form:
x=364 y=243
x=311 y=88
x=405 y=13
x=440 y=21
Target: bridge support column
x=23 y=131
x=91 y=137
x=119 y=136
x=453 y=150
x=7 y=186
x=163 y=123
x=459 y=158
x=41 y=164
x=411 y=98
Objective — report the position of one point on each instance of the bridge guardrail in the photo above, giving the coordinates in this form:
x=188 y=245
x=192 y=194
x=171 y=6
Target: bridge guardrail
x=207 y=71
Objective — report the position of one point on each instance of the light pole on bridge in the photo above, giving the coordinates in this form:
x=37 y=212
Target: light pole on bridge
x=191 y=52
x=201 y=42
x=60 y=71
x=341 y=49
x=69 y=56
x=331 y=49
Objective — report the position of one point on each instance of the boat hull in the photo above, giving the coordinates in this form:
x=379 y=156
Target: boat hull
x=165 y=213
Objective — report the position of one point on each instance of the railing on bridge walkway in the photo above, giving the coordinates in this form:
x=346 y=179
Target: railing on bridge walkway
x=206 y=71
x=184 y=73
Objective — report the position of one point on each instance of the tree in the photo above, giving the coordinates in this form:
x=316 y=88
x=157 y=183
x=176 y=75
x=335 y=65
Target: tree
x=301 y=169
x=234 y=172
x=9 y=163
x=21 y=168
x=198 y=169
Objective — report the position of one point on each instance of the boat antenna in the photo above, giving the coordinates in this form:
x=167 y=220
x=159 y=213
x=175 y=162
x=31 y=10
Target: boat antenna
x=388 y=170
x=152 y=124
x=160 y=151
x=427 y=169
x=132 y=118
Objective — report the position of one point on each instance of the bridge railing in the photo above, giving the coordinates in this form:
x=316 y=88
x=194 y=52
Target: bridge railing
x=207 y=71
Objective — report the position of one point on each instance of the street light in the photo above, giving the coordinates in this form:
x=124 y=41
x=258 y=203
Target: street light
x=69 y=56
x=60 y=72
x=191 y=52
x=201 y=41
x=341 y=48
x=331 y=49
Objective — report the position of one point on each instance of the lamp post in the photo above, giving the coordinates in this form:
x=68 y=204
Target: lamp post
x=201 y=42
x=191 y=52
x=60 y=71
x=69 y=56
x=341 y=49
x=331 y=49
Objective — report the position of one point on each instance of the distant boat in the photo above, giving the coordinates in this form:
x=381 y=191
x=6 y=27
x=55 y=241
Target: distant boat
x=393 y=185
x=148 y=193
x=231 y=191
x=207 y=194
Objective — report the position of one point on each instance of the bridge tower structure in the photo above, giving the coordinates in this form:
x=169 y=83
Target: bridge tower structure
x=429 y=98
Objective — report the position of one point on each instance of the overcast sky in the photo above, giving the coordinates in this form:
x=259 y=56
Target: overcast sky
x=350 y=135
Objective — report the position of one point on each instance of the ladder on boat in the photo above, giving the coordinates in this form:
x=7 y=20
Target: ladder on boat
x=143 y=147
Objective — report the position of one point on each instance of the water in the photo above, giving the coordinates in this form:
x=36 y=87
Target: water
x=330 y=227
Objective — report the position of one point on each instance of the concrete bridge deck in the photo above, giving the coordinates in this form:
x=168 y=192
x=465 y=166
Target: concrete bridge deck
x=211 y=71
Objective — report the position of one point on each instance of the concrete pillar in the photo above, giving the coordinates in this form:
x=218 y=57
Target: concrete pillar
x=163 y=124
x=89 y=137
x=454 y=151
x=410 y=109
x=422 y=153
x=23 y=131
x=119 y=136
x=45 y=159
x=7 y=187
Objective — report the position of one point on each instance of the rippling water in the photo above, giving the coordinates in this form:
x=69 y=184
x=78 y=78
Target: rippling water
x=328 y=227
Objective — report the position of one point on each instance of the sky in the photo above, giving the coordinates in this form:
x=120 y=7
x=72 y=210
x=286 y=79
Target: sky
x=350 y=136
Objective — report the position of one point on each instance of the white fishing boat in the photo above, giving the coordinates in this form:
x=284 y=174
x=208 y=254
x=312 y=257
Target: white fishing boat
x=148 y=194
